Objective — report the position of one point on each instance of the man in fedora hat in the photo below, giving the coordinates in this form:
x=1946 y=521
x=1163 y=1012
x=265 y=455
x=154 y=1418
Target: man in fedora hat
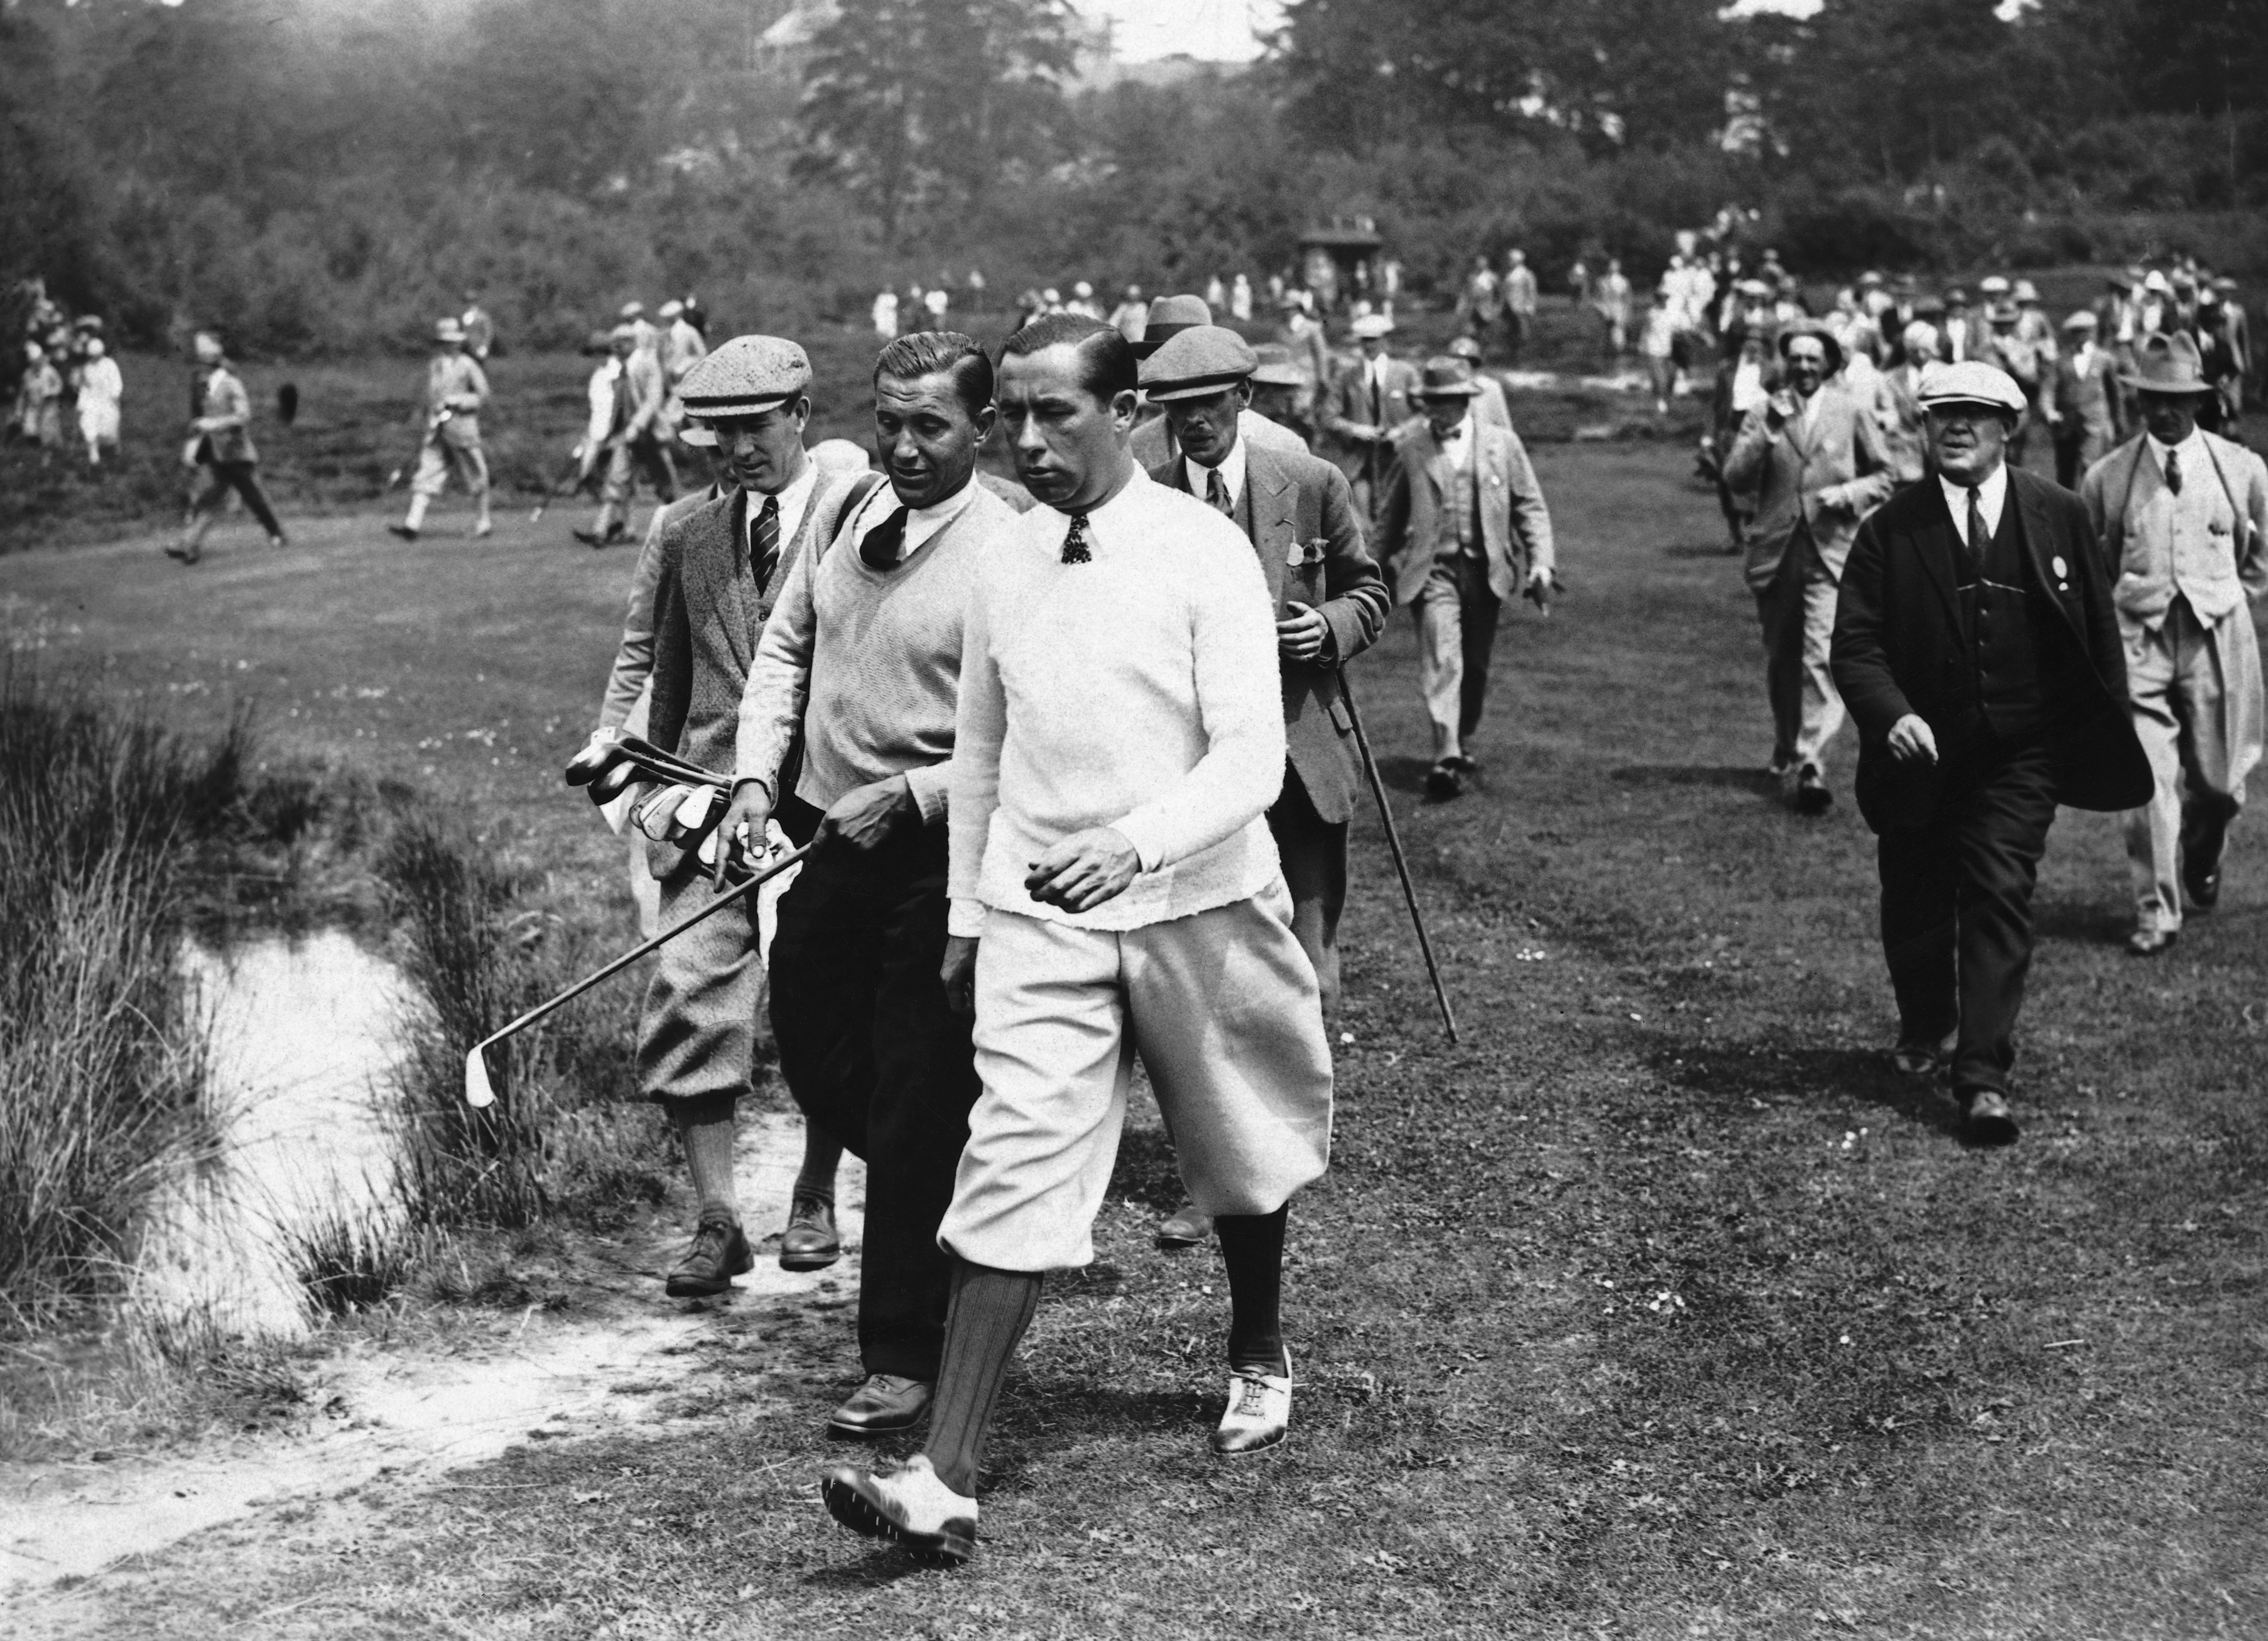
x=717 y=574
x=2181 y=514
x=2085 y=411
x=1284 y=394
x=1153 y=436
x=456 y=388
x=636 y=440
x=1370 y=400
x=1464 y=526
x=1331 y=605
x=1489 y=406
x=1975 y=644
x=1819 y=464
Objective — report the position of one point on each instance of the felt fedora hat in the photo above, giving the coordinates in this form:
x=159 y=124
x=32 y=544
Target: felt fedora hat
x=1446 y=376
x=1813 y=327
x=1168 y=318
x=2166 y=363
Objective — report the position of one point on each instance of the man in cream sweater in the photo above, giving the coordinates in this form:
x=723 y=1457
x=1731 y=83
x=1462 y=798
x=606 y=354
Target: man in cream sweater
x=863 y=652
x=1114 y=890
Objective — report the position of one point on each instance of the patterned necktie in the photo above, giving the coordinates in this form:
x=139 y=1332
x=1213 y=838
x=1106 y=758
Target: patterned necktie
x=1978 y=536
x=884 y=543
x=1216 y=493
x=1075 y=542
x=763 y=555
x=2173 y=473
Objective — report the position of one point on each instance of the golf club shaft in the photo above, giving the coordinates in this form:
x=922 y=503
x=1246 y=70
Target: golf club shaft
x=715 y=905
x=1393 y=844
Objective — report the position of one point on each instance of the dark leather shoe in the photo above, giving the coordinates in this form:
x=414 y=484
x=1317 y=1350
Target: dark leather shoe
x=2202 y=888
x=1186 y=1227
x=1986 y=1119
x=402 y=530
x=1918 y=1057
x=719 y=1252
x=2149 y=942
x=590 y=538
x=810 y=1242
x=1812 y=795
x=1444 y=780
x=883 y=1406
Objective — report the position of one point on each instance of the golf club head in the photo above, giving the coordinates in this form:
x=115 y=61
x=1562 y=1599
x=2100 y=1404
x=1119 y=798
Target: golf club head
x=591 y=761
x=682 y=769
x=479 y=1093
x=614 y=780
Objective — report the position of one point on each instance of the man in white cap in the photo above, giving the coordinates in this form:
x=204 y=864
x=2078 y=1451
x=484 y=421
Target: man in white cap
x=635 y=442
x=1821 y=465
x=1114 y=890
x=2086 y=412
x=1371 y=399
x=717 y=574
x=456 y=389
x=2183 y=514
x=1977 y=649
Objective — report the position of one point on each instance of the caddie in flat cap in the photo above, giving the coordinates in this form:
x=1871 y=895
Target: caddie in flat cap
x=1200 y=360
x=1972 y=381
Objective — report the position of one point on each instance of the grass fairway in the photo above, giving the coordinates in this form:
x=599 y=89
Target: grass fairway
x=1658 y=1307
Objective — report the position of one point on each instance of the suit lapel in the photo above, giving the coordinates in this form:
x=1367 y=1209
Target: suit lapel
x=1937 y=545
x=2036 y=540
x=1270 y=495
x=733 y=588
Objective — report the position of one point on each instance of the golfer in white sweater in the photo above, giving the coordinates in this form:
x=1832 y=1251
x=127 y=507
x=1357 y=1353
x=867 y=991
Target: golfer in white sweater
x=1114 y=889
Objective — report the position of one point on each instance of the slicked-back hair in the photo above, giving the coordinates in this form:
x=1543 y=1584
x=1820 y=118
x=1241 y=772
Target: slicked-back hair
x=928 y=352
x=1106 y=364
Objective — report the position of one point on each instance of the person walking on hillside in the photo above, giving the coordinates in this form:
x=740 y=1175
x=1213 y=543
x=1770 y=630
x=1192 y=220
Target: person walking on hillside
x=2183 y=515
x=220 y=443
x=1520 y=303
x=2086 y=410
x=1463 y=528
x=633 y=442
x=456 y=388
x=1976 y=645
x=1480 y=301
x=101 y=393
x=717 y=578
x=1114 y=890
x=41 y=399
x=859 y=664
x=1897 y=400
x=1821 y=465
x=1370 y=400
x=1613 y=301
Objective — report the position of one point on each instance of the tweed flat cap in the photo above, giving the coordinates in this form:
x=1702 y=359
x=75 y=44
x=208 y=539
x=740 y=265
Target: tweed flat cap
x=1191 y=364
x=1276 y=368
x=1168 y=318
x=1369 y=327
x=745 y=377
x=1972 y=381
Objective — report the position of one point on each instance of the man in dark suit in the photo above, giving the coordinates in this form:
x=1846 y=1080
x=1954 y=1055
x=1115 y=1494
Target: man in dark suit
x=1331 y=602
x=1977 y=648
x=1369 y=402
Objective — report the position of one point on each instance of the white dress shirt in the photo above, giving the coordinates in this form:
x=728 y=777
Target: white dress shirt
x=794 y=502
x=1457 y=445
x=2191 y=453
x=921 y=522
x=1992 y=496
x=1232 y=476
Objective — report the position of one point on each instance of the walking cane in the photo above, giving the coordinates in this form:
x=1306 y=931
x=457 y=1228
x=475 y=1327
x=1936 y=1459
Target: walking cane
x=1401 y=865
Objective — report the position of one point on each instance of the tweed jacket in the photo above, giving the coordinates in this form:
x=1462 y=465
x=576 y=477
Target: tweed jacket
x=708 y=614
x=2210 y=543
x=1821 y=483
x=224 y=410
x=1348 y=408
x=2090 y=411
x=1299 y=514
x=1515 y=525
x=1899 y=649
x=1154 y=438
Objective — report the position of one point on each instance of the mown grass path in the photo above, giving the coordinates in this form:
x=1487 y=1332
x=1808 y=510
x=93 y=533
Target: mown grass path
x=1658 y=1307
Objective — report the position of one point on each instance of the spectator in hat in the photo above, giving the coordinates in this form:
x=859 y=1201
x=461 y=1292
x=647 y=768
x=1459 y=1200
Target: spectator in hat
x=634 y=442
x=1283 y=394
x=2218 y=363
x=100 y=391
x=1371 y=399
x=1462 y=527
x=1521 y=297
x=456 y=388
x=2183 y=514
x=1613 y=298
x=220 y=443
x=1303 y=335
x=633 y=315
x=480 y=329
x=1743 y=384
x=1977 y=647
x=2239 y=325
x=2034 y=325
x=2007 y=348
x=1897 y=399
x=683 y=347
x=1490 y=406
x=1165 y=319
x=1962 y=336
x=2085 y=411
x=1821 y=465
x=1480 y=300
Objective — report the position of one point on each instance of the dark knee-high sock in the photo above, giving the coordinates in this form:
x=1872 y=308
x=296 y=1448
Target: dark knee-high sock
x=704 y=1123
x=821 y=1153
x=1252 y=1248
x=991 y=1311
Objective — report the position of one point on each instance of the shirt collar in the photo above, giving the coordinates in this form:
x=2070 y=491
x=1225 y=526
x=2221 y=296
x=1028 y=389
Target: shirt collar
x=2191 y=448
x=1230 y=471
x=1992 y=497
x=794 y=501
x=921 y=522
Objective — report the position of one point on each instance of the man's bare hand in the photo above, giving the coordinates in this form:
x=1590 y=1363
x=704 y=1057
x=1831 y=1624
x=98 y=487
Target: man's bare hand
x=1538 y=590
x=1084 y=870
x=740 y=834
x=1912 y=738
x=1782 y=407
x=1301 y=636
x=865 y=817
x=959 y=973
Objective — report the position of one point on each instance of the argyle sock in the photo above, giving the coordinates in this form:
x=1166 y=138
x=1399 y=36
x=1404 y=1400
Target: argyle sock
x=815 y=1179
x=1252 y=1248
x=705 y=1124
x=991 y=1311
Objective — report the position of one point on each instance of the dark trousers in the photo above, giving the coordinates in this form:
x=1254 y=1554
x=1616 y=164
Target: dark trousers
x=242 y=477
x=1314 y=853
x=1958 y=904
x=875 y=1058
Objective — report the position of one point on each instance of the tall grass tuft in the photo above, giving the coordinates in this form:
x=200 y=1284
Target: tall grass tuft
x=101 y=1069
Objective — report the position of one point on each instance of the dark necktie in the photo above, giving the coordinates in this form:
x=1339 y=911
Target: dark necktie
x=2173 y=473
x=1978 y=536
x=1075 y=542
x=763 y=553
x=884 y=542
x=1216 y=493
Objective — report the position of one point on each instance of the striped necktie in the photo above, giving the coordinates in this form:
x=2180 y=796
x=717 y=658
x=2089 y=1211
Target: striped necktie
x=764 y=549
x=1216 y=493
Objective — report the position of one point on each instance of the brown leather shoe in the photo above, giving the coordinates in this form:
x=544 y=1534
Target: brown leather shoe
x=1987 y=1117
x=1186 y=1227
x=810 y=1242
x=883 y=1406
x=719 y=1252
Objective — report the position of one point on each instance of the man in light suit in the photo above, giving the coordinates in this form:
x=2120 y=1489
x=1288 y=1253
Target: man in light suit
x=637 y=437
x=1330 y=601
x=1367 y=404
x=718 y=571
x=2182 y=516
x=2086 y=410
x=1822 y=465
x=1463 y=528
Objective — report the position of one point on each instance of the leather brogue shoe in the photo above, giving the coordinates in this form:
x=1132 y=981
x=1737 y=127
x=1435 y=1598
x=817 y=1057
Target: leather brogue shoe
x=1986 y=1119
x=1812 y=796
x=1259 y=1412
x=883 y=1406
x=1186 y=1227
x=1445 y=780
x=810 y=1242
x=719 y=1252
x=911 y=1504
x=2149 y=942
x=1918 y=1057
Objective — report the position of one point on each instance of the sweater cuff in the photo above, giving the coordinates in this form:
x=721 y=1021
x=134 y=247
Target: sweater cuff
x=1142 y=829
x=930 y=785
x=964 y=918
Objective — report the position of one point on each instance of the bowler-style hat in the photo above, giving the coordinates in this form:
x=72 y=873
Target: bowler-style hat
x=2167 y=362
x=1466 y=349
x=1370 y=327
x=1168 y=317
x=1813 y=327
x=1446 y=377
x=1972 y=381
x=1197 y=363
x=746 y=376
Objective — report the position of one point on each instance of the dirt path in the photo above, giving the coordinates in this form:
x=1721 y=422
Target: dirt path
x=416 y=1414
